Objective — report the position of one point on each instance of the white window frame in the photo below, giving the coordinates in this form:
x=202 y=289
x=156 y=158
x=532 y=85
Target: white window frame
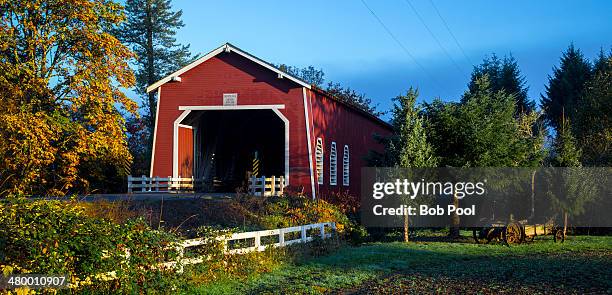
x=319 y=160
x=333 y=164
x=345 y=166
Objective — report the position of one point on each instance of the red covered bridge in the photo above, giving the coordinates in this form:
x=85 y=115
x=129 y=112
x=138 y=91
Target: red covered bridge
x=230 y=113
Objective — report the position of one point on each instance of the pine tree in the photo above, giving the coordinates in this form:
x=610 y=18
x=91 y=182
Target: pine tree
x=565 y=87
x=593 y=126
x=602 y=62
x=409 y=146
x=566 y=153
x=504 y=74
x=412 y=148
x=150 y=31
x=482 y=131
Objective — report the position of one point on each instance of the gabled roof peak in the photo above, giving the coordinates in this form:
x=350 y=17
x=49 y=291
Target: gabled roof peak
x=227 y=47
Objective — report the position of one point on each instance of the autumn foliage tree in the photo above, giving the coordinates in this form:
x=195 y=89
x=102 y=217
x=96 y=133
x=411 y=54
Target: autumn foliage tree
x=61 y=104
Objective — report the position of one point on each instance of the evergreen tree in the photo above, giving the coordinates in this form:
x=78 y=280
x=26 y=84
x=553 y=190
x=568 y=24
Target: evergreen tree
x=565 y=87
x=565 y=152
x=408 y=147
x=602 y=62
x=504 y=75
x=482 y=131
x=593 y=126
x=411 y=147
x=150 y=31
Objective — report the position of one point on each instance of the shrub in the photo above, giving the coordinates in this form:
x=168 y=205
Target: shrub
x=294 y=210
x=54 y=237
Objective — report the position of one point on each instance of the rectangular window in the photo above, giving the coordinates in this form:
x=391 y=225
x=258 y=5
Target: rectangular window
x=345 y=166
x=333 y=165
x=319 y=160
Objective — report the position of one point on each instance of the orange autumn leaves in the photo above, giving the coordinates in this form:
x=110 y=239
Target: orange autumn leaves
x=61 y=101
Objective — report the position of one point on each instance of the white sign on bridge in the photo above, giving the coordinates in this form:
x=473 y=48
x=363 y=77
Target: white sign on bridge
x=230 y=99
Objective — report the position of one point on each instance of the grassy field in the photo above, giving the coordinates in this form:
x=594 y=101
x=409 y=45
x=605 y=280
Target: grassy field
x=582 y=264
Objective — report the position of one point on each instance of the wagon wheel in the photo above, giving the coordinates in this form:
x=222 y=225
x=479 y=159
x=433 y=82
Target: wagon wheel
x=512 y=234
x=559 y=236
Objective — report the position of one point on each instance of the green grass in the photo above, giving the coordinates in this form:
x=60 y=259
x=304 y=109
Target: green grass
x=581 y=264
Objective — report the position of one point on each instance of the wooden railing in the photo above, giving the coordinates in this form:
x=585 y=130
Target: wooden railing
x=266 y=186
x=161 y=184
x=257 y=244
x=280 y=233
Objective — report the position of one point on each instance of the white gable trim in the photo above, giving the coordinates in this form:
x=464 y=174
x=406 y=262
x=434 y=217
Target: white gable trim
x=225 y=48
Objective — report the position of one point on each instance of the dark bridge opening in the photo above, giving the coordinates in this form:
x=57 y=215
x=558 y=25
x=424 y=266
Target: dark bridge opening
x=227 y=141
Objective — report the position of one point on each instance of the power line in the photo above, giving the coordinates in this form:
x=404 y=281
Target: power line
x=402 y=46
x=434 y=37
x=451 y=33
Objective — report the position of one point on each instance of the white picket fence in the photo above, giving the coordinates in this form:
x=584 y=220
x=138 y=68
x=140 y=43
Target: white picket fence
x=168 y=184
x=257 y=243
x=266 y=186
x=255 y=235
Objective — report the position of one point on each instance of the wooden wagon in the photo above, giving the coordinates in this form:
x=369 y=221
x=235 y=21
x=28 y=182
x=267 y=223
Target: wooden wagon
x=516 y=232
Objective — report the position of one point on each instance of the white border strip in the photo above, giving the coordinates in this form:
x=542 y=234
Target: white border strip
x=306 y=117
x=177 y=123
x=155 y=132
x=229 y=108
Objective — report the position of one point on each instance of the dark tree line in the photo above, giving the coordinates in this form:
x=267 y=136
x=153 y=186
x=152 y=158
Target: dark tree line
x=345 y=94
x=496 y=124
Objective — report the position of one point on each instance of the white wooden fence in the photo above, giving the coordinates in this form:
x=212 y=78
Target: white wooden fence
x=256 y=236
x=266 y=186
x=146 y=184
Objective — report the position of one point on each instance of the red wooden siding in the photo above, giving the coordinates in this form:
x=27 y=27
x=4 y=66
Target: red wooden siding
x=185 y=152
x=335 y=122
x=229 y=72
x=205 y=84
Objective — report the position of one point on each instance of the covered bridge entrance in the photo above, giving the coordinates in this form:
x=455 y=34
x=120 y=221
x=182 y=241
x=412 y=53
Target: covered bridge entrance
x=224 y=147
x=215 y=114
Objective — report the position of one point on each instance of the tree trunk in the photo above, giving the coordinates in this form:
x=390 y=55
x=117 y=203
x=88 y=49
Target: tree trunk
x=151 y=78
x=532 y=215
x=454 y=229
x=564 y=223
x=406 y=229
x=150 y=67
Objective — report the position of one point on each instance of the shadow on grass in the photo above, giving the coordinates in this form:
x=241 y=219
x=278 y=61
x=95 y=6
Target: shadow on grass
x=438 y=267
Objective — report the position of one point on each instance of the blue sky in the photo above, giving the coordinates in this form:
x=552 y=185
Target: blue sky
x=347 y=42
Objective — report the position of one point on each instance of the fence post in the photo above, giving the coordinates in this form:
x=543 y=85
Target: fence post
x=156 y=183
x=273 y=188
x=144 y=183
x=257 y=241
x=263 y=185
x=303 y=238
x=179 y=260
x=322 y=228
x=224 y=246
x=129 y=180
x=170 y=183
x=281 y=237
x=282 y=185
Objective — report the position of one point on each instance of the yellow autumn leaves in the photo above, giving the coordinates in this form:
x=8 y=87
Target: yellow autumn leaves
x=61 y=101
